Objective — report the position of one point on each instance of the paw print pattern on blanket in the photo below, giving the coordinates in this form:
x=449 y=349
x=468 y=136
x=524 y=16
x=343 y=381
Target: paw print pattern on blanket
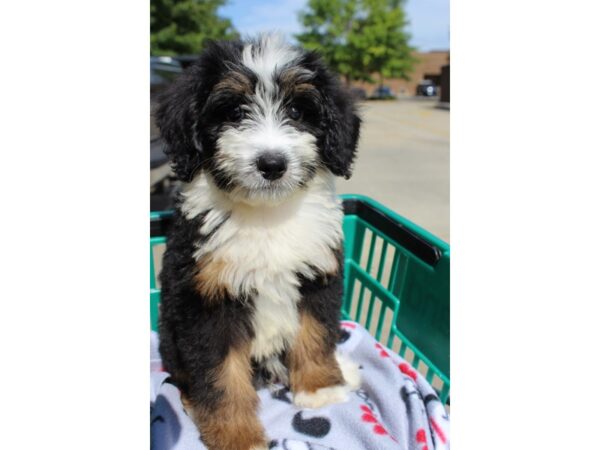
x=344 y=336
x=421 y=439
x=407 y=370
x=438 y=430
x=382 y=352
x=289 y=444
x=394 y=409
x=368 y=416
x=315 y=426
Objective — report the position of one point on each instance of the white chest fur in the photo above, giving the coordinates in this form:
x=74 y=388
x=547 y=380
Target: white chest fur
x=266 y=247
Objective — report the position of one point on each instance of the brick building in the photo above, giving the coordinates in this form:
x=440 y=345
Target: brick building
x=428 y=67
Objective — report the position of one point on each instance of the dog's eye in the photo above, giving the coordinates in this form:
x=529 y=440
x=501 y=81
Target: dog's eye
x=294 y=113
x=236 y=114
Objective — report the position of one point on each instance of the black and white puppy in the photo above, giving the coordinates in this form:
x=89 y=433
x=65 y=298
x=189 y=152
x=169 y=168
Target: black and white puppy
x=253 y=272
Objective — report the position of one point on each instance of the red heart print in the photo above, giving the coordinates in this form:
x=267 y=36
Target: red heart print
x=438 y=430
x=406 y=369
x=382 y=351
x=368 y=418
x=378 y=429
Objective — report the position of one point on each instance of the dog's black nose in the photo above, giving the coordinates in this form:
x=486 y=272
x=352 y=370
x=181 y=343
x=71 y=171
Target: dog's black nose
x=272 y=166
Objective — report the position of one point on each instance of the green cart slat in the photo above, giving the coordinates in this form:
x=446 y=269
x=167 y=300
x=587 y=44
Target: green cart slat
x=416 y=295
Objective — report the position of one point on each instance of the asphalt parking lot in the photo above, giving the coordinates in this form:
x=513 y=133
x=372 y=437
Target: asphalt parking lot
x=404 y=161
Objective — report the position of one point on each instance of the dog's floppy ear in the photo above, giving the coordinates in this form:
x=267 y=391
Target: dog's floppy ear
x=180 y=113
x=342 y=129
x=176 y=116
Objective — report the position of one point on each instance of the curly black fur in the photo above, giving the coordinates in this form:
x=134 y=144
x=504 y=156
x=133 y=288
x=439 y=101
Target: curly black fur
x=194 y=336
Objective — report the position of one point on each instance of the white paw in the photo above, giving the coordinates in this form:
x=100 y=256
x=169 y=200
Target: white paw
x=260 y=447
x=322 y=397
x=350 y=371
x=333 y=394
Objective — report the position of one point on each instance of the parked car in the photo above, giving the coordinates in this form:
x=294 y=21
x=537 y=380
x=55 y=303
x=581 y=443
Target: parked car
x=358 y=93
x=382 y=93
x=427 y=88
x=163 y=186
x=163 y=70
x=186 y=60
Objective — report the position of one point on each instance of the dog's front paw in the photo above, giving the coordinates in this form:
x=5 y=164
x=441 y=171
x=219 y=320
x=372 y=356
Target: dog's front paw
x=350 y=370
x=322 y=397
x=332 y=394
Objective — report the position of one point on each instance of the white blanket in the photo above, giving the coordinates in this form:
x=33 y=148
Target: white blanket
x=395 y=408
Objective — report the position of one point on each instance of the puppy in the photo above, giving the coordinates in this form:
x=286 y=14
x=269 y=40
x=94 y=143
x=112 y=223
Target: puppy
x=253 y=271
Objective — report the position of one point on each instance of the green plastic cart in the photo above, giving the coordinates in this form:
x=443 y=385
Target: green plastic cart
x=397 y=284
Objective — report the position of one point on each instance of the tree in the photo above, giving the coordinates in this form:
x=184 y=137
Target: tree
x=179 y=27
x=359 y=38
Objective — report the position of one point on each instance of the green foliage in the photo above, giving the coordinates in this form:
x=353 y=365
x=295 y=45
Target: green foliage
x=179 y=27
x=359 y=38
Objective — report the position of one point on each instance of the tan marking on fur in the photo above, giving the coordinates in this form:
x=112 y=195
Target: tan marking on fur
x=311 y=366
x=210 y=282
x=294 y=81
x=304 y=87
x=234 y=424
x=296 y=89
x=185 y=401
x=235 y=82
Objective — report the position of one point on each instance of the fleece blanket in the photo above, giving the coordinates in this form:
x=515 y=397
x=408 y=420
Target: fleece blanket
x=395 y=408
